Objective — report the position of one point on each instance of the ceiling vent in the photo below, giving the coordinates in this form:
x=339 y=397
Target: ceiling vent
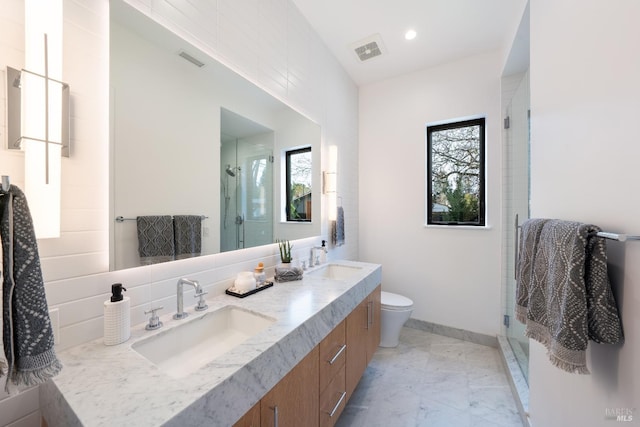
x=191 y=59
x=368 y=48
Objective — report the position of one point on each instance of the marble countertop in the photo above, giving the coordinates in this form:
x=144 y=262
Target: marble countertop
x=114 y=385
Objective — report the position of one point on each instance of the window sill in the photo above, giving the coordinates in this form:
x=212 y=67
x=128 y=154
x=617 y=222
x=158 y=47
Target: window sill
x=460 y=227
x=297 y=222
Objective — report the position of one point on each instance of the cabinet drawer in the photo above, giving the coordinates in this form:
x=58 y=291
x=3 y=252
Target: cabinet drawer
x=332 y=354
x=333 y=399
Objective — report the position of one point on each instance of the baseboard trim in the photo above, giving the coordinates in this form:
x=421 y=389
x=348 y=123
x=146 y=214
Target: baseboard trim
x=448 y=331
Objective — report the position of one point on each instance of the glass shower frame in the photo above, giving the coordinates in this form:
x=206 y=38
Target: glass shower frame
x=246 y=198
x=516 y=203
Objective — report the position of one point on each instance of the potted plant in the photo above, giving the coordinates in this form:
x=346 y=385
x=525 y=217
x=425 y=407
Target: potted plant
x=285 y=251
x=285 y=272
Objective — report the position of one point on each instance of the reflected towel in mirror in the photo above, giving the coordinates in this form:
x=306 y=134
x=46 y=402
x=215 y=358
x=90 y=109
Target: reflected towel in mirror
x=155 y=239
x=337 y=228
x=187 y=230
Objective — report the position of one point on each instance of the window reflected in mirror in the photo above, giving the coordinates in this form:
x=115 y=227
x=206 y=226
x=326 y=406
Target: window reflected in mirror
x=298 y=184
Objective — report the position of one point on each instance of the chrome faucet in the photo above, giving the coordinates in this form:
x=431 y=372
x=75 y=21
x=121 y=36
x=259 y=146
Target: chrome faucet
x=202 y=305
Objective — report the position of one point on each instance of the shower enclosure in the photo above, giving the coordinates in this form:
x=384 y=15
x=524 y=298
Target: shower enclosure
x=246 y=186
x=516 y=202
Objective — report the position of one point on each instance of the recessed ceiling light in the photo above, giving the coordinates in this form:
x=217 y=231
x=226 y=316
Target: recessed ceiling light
x=410 y=34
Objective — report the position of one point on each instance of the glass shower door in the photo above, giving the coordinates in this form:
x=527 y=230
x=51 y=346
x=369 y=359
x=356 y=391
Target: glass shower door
x=246 y=197
x=517 y=190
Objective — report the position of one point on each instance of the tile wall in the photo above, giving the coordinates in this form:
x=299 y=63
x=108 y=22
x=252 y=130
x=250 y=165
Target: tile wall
x=270 y=43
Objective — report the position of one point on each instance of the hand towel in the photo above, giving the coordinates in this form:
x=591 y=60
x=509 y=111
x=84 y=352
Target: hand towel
x=155 y=239
x=337 y=228
x=569 y=295
x=187 y=231
x=27 y=332
x=528 y=245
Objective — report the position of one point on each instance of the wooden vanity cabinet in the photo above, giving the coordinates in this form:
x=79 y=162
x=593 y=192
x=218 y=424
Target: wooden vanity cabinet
x=251 y=418
x=315 y=392
x=332 y=375
x=363 y=338
x=373 y=332
x=293 y=402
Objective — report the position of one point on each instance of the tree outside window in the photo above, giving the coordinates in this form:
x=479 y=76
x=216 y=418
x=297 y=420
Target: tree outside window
x=455 y=163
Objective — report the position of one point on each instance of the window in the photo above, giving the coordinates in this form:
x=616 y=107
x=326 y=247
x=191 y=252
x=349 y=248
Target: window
x=455 y=173
x=298 y=184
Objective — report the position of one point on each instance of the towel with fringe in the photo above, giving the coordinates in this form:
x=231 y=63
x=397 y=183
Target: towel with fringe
x=187 y=231
x=337 y=228
x=27 y=332
x=155 y=239
x=563 y=294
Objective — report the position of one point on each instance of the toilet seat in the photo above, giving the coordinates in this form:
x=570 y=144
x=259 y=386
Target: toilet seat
x=395 y=302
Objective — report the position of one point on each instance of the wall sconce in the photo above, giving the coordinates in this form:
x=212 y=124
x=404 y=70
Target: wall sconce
x=38 y=113
x=330 y=183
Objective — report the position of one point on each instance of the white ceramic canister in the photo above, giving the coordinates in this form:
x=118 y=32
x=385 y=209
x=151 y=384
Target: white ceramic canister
x=245 y=282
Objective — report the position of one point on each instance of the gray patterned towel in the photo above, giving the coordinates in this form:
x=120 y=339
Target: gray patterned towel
x=187 y=230
x=155 y=239
x=337 y=228
x=527 y=248
x=569 y=298
x=27 y=333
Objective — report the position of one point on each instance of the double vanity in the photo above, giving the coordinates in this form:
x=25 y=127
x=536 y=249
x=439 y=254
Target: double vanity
x=301 y=345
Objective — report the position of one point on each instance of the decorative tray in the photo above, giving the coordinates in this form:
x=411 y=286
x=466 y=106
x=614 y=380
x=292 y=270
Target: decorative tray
x=266 y=285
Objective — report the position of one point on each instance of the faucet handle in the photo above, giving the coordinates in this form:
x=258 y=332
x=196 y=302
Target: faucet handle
x=154 y=320
x=202 y=305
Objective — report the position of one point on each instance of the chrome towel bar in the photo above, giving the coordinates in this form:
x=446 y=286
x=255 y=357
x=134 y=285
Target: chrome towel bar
x=123 y=219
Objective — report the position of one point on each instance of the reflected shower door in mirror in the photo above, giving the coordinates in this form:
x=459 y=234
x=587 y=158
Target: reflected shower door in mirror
x=246 y=159
x=173 y=111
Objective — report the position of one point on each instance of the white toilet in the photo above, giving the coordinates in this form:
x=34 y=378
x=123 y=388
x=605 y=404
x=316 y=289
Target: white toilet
x=396 y=310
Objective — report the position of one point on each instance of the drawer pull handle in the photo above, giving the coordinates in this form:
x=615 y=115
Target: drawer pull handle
x=275 y=415
x=333 y=360
x=335 y=408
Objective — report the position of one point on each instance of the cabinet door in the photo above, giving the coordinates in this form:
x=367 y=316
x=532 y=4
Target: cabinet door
x=251 y=418
x=373 y=332
x=294 y=401
x=356 y=331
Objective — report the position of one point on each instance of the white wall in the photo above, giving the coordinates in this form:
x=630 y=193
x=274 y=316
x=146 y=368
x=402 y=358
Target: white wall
x=272 y=45
x=153 y=134
x=452 y=274
x=83 y=245
x=585 y=106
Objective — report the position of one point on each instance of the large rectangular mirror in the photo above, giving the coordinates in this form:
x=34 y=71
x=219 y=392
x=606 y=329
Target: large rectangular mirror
x=189 y=137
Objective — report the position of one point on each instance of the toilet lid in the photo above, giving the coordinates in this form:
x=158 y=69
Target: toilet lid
x=394 y=300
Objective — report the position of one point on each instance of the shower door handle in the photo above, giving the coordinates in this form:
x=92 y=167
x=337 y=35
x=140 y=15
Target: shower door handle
x=243 y=230
x=515 y=249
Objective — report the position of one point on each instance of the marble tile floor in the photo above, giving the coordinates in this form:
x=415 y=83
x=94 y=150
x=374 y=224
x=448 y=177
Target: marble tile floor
x=432 y=381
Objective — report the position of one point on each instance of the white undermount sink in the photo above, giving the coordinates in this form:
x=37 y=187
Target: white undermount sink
x=188 y=347
x=335 y=271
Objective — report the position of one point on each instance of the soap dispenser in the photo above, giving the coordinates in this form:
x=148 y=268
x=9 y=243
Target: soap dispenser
x=117 y=316
x=323 y=252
